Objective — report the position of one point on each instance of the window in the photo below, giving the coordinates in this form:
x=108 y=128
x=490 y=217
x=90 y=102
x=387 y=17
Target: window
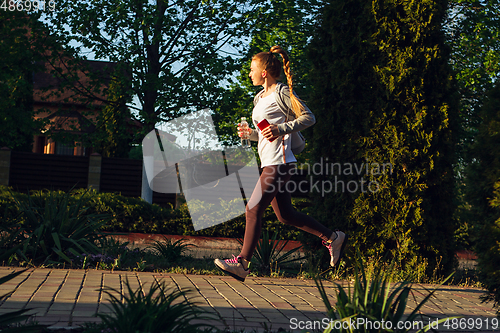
x=62 y=149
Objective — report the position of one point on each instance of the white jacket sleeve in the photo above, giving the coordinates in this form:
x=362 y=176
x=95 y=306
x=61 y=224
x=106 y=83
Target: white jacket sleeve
x=254 y=136
x=305 y=120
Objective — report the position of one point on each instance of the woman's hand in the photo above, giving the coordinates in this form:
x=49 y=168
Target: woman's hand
x=271 y=132
x=241 y=129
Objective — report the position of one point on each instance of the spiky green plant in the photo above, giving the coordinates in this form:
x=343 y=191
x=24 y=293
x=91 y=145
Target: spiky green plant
x=269 y=253
x=160 y=310
x=53 y=224
x=375 y=300
x=170 y=250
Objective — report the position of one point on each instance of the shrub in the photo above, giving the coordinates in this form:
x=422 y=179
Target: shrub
x=374 y=300
x=128 y=214
x=170 y=250
x=52 y=224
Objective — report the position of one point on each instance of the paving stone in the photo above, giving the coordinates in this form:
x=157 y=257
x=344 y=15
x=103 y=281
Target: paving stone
x=58 y=312
x=76 y=297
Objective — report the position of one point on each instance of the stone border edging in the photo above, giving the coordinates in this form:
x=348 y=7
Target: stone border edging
x=216 y=243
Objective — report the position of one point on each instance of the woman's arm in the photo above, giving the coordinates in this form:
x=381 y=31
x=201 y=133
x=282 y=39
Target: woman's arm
x=254 y=136
x=293 y=124
x=306 y=120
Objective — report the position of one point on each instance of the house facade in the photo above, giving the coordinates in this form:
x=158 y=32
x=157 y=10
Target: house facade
x=69 y=103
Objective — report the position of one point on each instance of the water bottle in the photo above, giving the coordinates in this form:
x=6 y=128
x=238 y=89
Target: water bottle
x=245 y=137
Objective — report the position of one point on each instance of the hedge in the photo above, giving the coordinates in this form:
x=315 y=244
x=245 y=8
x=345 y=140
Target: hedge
x=130 y=214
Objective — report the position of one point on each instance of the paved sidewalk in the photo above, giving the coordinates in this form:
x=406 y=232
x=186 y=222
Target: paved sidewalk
x=65 y=298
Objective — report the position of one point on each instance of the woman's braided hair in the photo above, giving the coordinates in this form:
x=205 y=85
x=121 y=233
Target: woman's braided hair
x=272 y=65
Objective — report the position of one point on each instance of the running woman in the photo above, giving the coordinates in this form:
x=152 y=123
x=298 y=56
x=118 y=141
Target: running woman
x=277 y=161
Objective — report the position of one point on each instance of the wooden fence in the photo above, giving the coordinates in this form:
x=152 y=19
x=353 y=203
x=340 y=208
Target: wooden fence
x=29 y=171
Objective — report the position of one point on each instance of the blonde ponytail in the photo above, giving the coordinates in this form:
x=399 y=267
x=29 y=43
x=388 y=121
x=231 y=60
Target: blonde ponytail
x=297 y=106
x=272 y=65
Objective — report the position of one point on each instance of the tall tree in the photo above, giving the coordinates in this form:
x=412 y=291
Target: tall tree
x=173 y=50
x=384 y=100
x=473 y=32
x=114 y=128
x=483 y=193
x=19 y=54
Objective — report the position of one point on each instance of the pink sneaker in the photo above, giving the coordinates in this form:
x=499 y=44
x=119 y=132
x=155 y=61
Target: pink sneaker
x=336 y=247
x=233 y=267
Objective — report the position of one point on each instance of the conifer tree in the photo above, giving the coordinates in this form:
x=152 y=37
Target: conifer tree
x=385 y=108
x=483 y=191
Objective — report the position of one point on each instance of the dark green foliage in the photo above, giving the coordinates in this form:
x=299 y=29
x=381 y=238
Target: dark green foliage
x=175 y=54
x=473 y=32
x=19 y=54
x=127 y=214
x=116 y=255
x=52 y=225
x=159 y=310
x=114 y=129
x=130 y=214
x=172 y=251
x=384 y=103
x=136 y=215
x=483 y=190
